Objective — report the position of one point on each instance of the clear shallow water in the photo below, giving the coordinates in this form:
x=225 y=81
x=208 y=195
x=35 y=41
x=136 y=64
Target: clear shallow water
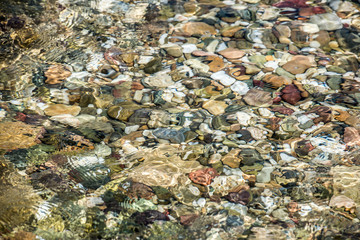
x=179 y=120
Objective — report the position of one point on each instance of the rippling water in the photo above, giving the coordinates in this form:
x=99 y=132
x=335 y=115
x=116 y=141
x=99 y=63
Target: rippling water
x=178 y=119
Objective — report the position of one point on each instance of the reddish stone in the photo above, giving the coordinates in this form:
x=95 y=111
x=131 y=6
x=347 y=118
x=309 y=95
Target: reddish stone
x=323 y=112
x=258 y=83
x=291 y=4
x=274 y=123
x=291 y=94
x=303 y=148
x=136 y=86
x=203 y=176
x=283 y=110
x=20 y=116
x=309 y=11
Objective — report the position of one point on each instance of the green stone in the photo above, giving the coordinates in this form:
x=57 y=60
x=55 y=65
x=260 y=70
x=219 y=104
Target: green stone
x=259 y=60
x=250 y=156
x=336 y=69
x=282 y=72
x=230 y=143
x=219 y=123
x=253 y=169
x=307 y=125
x=289 y=125
x=153 y=66
x=334 y=82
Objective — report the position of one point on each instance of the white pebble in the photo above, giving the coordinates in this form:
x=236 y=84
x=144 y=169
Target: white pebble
x=223 y=78
x=240 y=87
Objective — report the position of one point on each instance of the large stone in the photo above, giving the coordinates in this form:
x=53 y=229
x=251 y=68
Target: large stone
x=327 y=21
x=161 y=167
x=215 y=107
x=232 y=53
x=232 y=159
x=297 y=65
x=201 y=28
x=15 y=135
x=223 y=78
x=123 y=110
x=347 y=182
x=258 y=98
x=59 y=109
x=160 y=79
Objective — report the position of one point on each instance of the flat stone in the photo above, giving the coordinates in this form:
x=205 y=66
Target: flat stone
x=240 y=87
x=327 y=21
x=230 y=31
x=59 y=109
x=223 y=78
x=259 y=98
x=173 y=50
x=232 y=53
x=160 y=79
x=201 y=28
x=215 y=107
x=297 y=65
x=197 y=65
x=232 y=158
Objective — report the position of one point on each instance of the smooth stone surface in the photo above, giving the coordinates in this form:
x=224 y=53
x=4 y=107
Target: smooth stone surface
x=59 y=109
x=192 y=28
x=223 y=78
x=215 y=107
x=264 y=175
x=240 y=87
x=258 y=98
x=160 y=79
x=327 y=21
x=232 y=53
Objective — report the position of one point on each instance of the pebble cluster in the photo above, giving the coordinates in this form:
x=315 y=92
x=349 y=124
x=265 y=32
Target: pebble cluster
x=204 y=119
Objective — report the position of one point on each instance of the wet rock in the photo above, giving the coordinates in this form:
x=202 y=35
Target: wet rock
x=291 y=94
x=341 y=201
x=173 y=50
x=216 y=63
x=232 y=159
x=59 y=109
x=215 y=107
x=160 y=79
x=327 y=21
x=223 y=185
x=242 y=197
x=172 y=135
x=120 y=112
x=258 y=98
x=194 y=28
x=203 y=177
x=276 y=81
x=334 y=82
x=149 y=216
x=232 y=53
x=223 y=78
x=297 y=65
x=16 y=135
x=351 y=136
x=187 y=220
x=56 y=74
x=160 y=170
x=264 y=175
